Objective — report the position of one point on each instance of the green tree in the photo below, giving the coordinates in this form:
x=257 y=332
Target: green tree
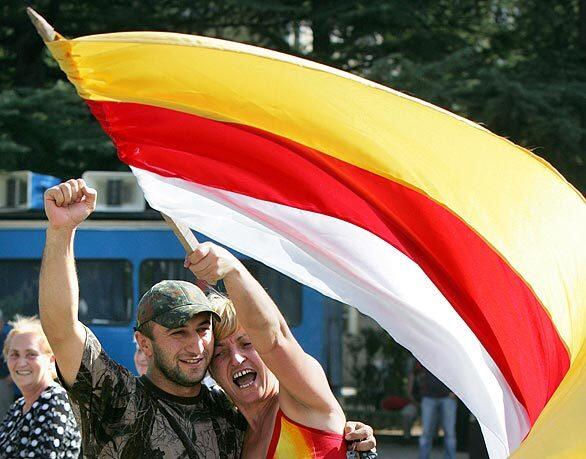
x=44 y=126
x=517 y=66
x=52 y=131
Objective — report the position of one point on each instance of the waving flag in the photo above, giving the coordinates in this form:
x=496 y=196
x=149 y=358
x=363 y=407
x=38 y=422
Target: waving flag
x=466 y=248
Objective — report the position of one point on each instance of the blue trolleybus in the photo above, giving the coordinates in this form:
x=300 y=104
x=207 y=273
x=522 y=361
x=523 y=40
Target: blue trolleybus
x=120 y=256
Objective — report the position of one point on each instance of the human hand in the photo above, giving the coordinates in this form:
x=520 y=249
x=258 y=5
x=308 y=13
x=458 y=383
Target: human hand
x=69 y=204
x=360 y=433
x=210 y=262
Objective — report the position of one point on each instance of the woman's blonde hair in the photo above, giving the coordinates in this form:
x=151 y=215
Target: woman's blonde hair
x=225 y=309
x=21 y=325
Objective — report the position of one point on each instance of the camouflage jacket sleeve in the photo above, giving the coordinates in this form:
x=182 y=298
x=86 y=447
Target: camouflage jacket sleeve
x=102 y=393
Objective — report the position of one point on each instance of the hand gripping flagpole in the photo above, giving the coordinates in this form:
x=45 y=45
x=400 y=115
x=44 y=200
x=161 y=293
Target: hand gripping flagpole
x=187 y=239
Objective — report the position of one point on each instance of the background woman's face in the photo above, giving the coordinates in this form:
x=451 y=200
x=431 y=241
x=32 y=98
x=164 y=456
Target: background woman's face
x=27 y=362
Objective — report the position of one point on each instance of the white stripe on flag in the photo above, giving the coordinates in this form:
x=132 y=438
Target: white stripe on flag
x=358 y=268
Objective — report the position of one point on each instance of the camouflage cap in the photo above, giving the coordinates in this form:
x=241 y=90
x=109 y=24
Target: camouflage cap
x=171 y=303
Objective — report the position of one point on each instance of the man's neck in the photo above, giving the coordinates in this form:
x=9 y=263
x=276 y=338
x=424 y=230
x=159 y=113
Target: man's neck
x=166 y=385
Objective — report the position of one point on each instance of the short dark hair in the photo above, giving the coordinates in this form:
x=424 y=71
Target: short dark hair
x=147 y=329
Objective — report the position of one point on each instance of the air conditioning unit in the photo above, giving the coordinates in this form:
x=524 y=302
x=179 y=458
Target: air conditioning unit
x=24 y=190
x=117 y=191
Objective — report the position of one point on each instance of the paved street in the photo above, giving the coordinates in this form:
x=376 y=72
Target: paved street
x=391 y=447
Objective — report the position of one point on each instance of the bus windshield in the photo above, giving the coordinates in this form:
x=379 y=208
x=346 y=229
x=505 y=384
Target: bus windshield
x=105 y=289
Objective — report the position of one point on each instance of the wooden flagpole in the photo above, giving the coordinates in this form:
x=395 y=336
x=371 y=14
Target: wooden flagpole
x=44 y=29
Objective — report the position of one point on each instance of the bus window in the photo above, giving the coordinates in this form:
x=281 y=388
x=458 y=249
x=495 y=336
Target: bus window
x=286 y=292
x=105 y=289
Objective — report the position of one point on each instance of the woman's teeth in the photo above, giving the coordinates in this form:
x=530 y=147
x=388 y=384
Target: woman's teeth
x=244 y=378
x=241 y=373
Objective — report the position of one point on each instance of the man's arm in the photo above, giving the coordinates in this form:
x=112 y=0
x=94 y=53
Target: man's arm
x=66 y=205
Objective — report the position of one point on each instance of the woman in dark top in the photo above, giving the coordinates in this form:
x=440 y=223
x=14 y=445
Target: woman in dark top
x=40 y=424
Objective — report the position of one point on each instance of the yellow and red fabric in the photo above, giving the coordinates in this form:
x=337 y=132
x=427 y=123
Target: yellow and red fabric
x=466 y=248
x=291 y=439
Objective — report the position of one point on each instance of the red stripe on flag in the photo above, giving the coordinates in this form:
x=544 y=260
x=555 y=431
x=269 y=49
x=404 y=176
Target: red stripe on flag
x=490 y=297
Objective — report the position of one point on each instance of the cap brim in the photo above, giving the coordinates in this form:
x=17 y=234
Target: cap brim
x=177 y=317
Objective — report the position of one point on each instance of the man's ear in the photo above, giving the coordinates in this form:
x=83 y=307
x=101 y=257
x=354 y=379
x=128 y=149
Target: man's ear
x=144 y=343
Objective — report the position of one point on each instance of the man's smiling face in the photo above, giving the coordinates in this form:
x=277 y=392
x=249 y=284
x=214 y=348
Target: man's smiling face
x=182 y=354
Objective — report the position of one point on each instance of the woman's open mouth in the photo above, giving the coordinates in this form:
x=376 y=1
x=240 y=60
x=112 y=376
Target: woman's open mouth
x=244 y=378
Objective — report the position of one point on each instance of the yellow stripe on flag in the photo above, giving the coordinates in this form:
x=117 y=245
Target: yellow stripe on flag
x=559 y=431
x=377 y=129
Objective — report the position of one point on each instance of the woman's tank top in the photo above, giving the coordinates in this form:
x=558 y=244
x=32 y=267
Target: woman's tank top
x=293 y=440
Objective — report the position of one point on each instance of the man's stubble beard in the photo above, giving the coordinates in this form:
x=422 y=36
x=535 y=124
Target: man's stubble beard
x=174 y=373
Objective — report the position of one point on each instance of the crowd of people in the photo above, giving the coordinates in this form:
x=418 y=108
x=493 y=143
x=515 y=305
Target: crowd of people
x=267 y=398
x=274 y=399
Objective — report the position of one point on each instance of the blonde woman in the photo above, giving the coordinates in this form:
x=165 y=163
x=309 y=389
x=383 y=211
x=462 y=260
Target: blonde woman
x=40 y=423
x=282 y=392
